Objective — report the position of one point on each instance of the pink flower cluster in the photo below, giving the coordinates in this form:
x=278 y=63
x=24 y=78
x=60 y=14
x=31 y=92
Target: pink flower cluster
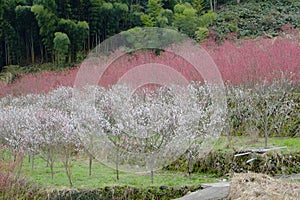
x=39 y=83
x=255 y=60
x=245 y=62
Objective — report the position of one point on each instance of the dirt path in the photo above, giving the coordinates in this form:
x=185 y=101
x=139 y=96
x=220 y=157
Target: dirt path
x=210 y=191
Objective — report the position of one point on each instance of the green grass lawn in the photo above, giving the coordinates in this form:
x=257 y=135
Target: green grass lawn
x=243 y=142
x=103 y=176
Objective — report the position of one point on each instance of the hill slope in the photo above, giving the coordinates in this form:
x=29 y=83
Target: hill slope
x=253 y=18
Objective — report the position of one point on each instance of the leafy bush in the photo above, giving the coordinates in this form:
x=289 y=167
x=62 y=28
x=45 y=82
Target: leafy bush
x=201 y=34
x=11 y=72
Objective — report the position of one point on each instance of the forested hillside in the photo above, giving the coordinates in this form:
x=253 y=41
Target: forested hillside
x=60 y=31
x=37 y=35
x=255 y=18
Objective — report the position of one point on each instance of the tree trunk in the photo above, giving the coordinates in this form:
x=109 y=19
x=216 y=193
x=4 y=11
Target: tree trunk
x=68 y=166
x=215 y=5
x=32 y=49
x=117 y=164
x=51 y=169
x=89 y=43
x=42 y=52
x=266 y=131
x=70 y=57
x=28 y=49
x=51 y=162
x=266 y=139
x=7 y=56
x=32 y=162
x=190 y=164
x=90 y=164
x=152 y=176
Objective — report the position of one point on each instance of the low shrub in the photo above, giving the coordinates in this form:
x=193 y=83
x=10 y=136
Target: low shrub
x=122 y=192
x=12 y=184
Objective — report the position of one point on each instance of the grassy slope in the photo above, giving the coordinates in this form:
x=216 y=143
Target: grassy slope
x=103 y=176
x=242 y=142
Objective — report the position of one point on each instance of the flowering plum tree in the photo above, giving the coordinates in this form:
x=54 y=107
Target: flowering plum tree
x=143 y=129
x=88 y=110
x=18 y=121
x=57 y=137
x=267 y=108
x=270 y=105
x=148 y=129
x=15 y=126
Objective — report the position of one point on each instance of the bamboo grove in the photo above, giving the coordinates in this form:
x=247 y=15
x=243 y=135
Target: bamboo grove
x=33 y=32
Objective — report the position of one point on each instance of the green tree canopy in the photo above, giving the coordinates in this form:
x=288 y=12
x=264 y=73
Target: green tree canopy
x=61 y=46
x=47 y=22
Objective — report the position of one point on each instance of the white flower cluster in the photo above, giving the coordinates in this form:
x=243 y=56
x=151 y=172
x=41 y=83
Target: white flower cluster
x=142 y=126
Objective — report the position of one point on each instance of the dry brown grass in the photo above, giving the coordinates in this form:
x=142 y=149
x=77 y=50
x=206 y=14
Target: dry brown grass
x=252 y=186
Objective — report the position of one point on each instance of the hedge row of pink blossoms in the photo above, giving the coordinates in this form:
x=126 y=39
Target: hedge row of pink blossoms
x=245 y=62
